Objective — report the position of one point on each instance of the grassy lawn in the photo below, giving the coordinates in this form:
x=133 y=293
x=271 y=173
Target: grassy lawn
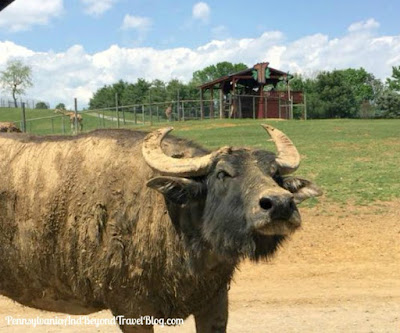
x=354 y=161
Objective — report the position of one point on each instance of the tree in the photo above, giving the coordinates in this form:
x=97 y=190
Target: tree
x=60 y=106
x=337 y=97
x=389 y=104
x=394 y=83
x=16 y=78
x=215 y=71
x=41 y=105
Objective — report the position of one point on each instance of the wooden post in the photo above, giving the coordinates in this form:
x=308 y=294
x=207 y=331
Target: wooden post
x=158 y=114
x=23 y=118
x=151 y=116
x=305 y=107
x=212 y=103
x=266 y=107
x=134 y=114
x=201 y=105
x=63 y=124
x=239 y=106
x=123 y=116
x=104 y=122
x=76 y=115
x=254 y=107
x=279 y=108
x=178 y=111
x=52 y=125
x=221 y=104
x=183 y=111
x=116 y=109
x=143 y=114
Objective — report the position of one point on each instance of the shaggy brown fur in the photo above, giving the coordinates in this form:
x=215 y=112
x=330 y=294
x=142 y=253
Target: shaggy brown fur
x=9 y=127
x=81 y=231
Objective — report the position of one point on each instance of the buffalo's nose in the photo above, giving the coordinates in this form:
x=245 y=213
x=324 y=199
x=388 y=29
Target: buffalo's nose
x=279 y=207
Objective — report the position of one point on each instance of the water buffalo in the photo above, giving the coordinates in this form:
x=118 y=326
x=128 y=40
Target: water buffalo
x=139 y=224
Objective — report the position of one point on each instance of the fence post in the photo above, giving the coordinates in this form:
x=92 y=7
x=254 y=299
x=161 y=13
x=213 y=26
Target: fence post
x=143 y=113
x=305 y=107
x=52 y=125
x=76 y=115
x=279 y=108
x=254 y=107
x=104 y=122
x=151 y=115
x=116 y=109
x=23 y=118
x=63 y=124
x=183 y=111
x=123 y=116
x=134 y=114
x=158 y=114
x=221 y=104
x=201 y=105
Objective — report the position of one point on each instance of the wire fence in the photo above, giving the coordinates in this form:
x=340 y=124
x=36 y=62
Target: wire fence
x=239 y=106
x=30 y=103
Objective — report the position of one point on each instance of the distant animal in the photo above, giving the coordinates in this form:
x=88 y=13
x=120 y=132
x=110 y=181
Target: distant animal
x=168 y=112
x=111 y=220
x=9 y=127
x=71 y=115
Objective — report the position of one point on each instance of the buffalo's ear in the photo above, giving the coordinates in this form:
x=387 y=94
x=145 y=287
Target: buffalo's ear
x=302 y=189
x=176 y=189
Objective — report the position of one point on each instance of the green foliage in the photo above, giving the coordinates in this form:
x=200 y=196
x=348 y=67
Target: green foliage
x=213 y=72
x=389 y=104
x=41 y=106
x=349 y=93
x=337 y=97
x=394 y=82
x=16 y=78
x=60 y=106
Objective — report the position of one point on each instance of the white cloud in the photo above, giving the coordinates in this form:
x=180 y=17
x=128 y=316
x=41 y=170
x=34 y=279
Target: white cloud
x=75 y=73
x=363 y=25
x=201 y=11
x=139 y=23
x=97 y=7
x=22 y=15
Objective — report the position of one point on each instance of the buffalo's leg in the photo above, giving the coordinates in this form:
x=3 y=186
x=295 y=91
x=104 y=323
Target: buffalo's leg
x=214 y=317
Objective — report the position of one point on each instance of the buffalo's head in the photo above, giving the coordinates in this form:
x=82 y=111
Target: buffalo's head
x=244 y=198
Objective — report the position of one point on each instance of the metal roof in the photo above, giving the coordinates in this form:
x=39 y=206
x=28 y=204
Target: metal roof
x=246 y=72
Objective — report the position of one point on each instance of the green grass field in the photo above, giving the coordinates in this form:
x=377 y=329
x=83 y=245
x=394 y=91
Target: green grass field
x=354 y=161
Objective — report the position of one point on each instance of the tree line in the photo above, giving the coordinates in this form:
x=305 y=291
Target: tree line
x=346 y=93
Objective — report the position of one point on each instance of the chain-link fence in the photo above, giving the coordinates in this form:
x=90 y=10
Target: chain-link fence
x=235 y=106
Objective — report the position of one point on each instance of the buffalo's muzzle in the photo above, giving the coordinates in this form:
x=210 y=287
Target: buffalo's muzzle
x=277 y=214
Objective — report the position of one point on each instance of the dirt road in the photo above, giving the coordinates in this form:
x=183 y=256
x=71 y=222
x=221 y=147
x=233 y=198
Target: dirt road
x=340 y=273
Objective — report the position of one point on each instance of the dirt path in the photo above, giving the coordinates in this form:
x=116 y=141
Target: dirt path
x=340 y=273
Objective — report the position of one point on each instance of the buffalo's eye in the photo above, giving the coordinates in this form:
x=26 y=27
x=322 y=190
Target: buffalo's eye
x=221 y=175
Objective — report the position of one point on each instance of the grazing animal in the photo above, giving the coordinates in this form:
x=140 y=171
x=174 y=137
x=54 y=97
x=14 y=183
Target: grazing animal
x=71 y=116
x=9 y=127
x=128 y=221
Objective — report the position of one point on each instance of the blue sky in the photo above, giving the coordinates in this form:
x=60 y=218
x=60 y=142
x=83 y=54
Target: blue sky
x=173 y=25
x=84 y=44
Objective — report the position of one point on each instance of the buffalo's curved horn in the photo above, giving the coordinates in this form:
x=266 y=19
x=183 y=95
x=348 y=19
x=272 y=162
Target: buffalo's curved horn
x=288 y=157
x=167 y=165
